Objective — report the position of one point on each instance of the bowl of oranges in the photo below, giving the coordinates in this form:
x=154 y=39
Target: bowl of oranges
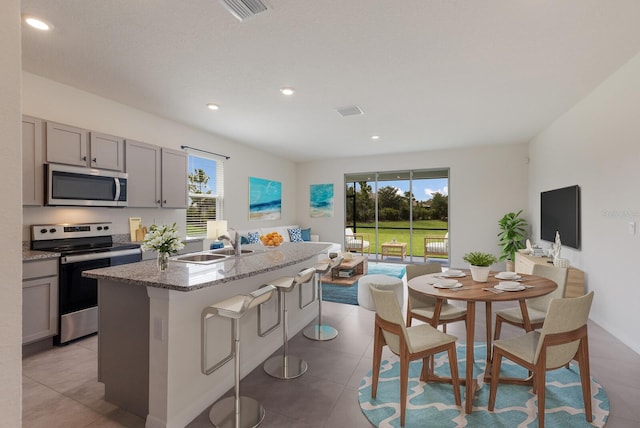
x=272 y=239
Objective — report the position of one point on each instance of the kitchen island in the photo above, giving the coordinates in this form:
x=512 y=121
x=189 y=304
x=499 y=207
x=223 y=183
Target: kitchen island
x=149 y=340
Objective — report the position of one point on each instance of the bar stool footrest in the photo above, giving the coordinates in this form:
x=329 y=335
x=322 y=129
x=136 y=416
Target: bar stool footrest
x=222 y=413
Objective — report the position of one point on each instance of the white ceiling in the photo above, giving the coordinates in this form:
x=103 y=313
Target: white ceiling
x=429 y=74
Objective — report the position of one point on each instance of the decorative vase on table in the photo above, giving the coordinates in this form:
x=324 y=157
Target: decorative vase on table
x=163 y=261
x=165 y=240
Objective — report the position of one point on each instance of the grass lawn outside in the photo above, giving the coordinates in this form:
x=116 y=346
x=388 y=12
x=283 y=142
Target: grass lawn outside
x=399 y=230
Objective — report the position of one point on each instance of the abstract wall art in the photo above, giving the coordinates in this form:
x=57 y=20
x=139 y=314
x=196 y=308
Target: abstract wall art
x=265 y=199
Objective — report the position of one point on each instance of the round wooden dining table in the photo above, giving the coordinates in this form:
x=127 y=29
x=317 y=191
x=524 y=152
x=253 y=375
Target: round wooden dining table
x=472 y=292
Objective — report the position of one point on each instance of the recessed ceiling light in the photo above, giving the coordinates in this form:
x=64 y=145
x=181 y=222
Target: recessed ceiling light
x=375 y=137
x=287 y=91
x=37 y=23
x=212 y=106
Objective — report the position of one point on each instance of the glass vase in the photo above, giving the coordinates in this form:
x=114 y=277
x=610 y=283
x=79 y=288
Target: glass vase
x=163 y=261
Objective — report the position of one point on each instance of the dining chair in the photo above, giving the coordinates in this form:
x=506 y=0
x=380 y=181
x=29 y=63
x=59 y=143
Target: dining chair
x=536 y=307
x=563 y=337
x=422 y=307
x=409 y=343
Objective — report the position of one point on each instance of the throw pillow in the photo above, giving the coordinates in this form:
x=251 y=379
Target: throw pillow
x=306 y=234
x=254 y=237
x=295 y=234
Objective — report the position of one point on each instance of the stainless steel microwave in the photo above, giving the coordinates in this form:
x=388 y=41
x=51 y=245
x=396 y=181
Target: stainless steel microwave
x=71 y=185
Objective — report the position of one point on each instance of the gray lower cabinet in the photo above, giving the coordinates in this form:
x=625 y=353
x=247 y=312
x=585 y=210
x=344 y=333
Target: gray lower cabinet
x=39 y=299
x=32 y=161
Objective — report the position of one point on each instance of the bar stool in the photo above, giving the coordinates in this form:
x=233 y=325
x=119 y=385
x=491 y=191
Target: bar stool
x=287 y=366
x=236 y=411
x=320 y=331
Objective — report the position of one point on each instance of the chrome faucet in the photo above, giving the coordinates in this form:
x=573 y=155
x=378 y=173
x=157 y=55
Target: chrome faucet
x=235 y=243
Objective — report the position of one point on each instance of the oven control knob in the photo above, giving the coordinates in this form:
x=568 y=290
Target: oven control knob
x=99 y=227
x=106 y=228
x=43 y=230
x=52 y=230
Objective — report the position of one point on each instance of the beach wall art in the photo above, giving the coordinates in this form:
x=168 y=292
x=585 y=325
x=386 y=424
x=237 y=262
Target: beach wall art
x=321 y=200
x=265 y=199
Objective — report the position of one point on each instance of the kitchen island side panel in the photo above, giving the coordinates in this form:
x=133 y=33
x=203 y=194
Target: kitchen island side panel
x=123 y=345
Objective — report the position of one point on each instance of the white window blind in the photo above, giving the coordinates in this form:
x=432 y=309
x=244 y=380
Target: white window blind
x=206 y=198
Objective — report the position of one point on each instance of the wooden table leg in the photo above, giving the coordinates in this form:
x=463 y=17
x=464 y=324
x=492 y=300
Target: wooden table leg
x=470 y=383
x=488 y=321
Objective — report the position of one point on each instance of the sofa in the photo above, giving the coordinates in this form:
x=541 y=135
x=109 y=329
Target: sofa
x=250 y=235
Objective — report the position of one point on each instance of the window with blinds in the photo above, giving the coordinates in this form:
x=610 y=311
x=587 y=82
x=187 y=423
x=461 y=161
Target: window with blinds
x=205 y=181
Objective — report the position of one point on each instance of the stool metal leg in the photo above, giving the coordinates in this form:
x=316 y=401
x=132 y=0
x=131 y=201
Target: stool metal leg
x=236 y=411
x=285 y=366
x=320 y=331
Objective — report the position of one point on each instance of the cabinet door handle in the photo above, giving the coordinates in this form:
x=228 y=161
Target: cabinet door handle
x=94 y=160
x=84 y=158
x=158 y=201
x=164 y=202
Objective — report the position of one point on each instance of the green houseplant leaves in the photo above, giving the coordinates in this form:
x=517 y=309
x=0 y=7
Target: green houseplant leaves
x=512 y=234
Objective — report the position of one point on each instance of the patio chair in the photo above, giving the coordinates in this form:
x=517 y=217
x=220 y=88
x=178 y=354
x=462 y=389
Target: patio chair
x=436 y=246
x=356 y=241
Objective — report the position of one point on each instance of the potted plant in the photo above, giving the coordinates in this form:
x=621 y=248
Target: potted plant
x=512 y=234
x=480 y=264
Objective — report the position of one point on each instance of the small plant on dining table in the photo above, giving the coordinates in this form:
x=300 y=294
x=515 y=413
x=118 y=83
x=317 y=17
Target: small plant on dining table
x=478 y=258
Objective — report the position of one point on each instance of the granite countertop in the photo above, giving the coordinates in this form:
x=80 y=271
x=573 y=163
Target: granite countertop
x=30 y=255
x=191 y=276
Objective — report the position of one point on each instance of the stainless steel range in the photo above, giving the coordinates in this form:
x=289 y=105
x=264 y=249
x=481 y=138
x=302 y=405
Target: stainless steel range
x=82 y=247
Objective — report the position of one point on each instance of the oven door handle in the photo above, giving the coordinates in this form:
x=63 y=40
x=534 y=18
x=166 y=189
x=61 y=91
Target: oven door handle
x=97 y=256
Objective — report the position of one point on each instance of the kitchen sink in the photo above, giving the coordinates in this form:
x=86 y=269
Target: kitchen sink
x=230 y=251
x=202 y=258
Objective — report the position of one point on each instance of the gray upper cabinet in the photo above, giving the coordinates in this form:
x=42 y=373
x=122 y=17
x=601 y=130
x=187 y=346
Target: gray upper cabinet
x=76 y=146
x=67 y=144
x=107 y=151
x=143 y=169
x=32 y=160
x=174 y=179
x=157 y=177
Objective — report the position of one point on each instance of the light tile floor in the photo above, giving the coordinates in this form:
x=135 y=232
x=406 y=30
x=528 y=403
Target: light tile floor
x=60 y=387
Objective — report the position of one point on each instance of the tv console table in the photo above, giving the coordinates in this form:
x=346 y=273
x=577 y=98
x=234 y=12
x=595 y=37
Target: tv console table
x=575 y=279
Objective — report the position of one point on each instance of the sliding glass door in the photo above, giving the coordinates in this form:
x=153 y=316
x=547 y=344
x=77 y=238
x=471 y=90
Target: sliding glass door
x=393 y=208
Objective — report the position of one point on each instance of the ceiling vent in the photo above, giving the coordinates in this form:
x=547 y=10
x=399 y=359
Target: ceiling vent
x=350 y=111
x=244 y=9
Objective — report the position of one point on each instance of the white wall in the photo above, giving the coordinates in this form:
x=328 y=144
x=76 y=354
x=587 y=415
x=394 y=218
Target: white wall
x=10 y=212
x=485 y=183
x=596 y=145
x=54 y=101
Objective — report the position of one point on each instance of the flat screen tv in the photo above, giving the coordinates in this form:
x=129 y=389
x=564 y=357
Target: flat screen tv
x=560 y=211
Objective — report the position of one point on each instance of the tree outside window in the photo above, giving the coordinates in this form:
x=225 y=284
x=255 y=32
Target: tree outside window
x=205 y=194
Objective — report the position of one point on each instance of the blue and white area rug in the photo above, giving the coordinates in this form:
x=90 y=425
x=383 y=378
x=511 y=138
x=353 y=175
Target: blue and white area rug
x=433 y=405
x=349 y=293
